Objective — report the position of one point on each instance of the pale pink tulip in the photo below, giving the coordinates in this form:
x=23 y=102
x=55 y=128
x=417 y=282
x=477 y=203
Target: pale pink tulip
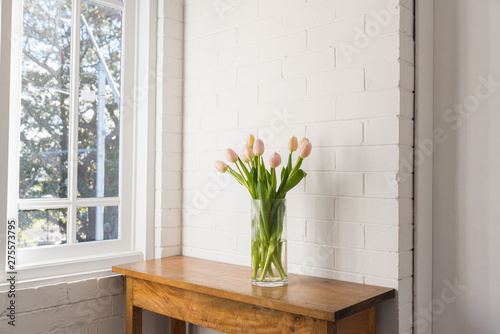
x=250 y=140
x=221 y=166
x=303 y=140
x=275 y=160
x=293 y=144
x=258 y=147
x=305 y=149
x=246 y=154
x=231 y=155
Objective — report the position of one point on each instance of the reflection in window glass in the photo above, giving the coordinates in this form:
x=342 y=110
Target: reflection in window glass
x=99 y=110
x=44 y=129
x=42 y=227
x=97 y=223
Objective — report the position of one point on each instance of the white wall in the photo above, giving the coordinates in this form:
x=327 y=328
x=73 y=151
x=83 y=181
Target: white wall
x=95 y=305
x=281 y=67
x=169 y=92
x=290 y=67
x=466 y=164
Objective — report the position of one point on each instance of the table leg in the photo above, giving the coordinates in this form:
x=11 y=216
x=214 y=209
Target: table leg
x=177 y=326
x=133 y=313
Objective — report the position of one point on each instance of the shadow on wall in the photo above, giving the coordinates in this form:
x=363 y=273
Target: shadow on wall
x=465 y=232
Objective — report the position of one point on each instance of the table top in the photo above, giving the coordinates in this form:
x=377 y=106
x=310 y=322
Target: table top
x=315 y=297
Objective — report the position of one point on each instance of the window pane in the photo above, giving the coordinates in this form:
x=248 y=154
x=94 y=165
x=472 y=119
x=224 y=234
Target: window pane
x=42 y=227
x=99 y=112
x=97 y=223
x=45 y=99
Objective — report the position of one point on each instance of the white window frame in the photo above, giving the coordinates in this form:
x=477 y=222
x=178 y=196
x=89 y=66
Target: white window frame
x=136 y=183
x=38 y=255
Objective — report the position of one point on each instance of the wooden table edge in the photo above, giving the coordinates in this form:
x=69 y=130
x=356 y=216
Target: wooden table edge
x=262 y=301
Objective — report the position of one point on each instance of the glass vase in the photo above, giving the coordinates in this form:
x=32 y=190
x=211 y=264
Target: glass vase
x=269 y=245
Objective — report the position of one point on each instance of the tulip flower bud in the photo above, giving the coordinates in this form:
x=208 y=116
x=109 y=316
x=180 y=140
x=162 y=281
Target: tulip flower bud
x=246 y=154
x=221 y=166
x=275 y=160
x=258 y=147
x=293 y=144
x=250 y=140
x=304 y=149
x=303 y=140
x=231 y=155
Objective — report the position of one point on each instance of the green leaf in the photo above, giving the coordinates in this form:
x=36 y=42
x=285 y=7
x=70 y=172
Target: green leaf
x=263 y=171
x=238 y=178
x=293 y=181
x=262 y=191
x=284 y=178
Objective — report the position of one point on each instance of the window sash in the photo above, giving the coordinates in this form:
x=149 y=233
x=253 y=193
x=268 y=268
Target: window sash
x=115 y=4
x=32 y=256
x=33 y=204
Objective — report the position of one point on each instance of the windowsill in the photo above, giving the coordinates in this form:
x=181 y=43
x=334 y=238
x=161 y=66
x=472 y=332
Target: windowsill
x=70 y=270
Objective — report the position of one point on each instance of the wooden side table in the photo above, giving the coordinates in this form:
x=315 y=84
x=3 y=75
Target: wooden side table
x=221 y=296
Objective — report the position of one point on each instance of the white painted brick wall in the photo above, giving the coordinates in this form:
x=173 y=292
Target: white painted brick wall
x=282 y=46
x=333 y=33
x=308 y=63
x=260 y=30
x=283 y=90
x=170 y=91
x=95 y=305
x=239 y=56
x=267 y=8
x=270 y=71
x=312 y=15
x=217 y=42
x=339 y=72
x=336 y=82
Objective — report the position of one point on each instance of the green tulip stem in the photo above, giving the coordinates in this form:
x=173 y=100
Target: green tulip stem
x=258 y=168
x=296 y=167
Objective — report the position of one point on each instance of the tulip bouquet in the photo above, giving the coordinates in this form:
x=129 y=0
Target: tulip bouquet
x=268 y=200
